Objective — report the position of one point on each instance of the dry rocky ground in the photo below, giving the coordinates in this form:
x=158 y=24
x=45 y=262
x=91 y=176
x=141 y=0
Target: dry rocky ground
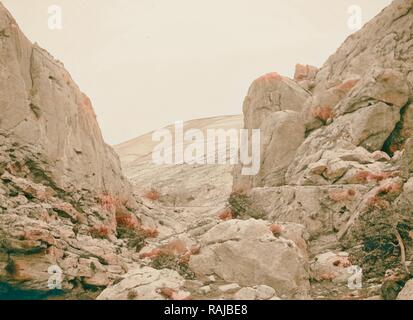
x=335 y=189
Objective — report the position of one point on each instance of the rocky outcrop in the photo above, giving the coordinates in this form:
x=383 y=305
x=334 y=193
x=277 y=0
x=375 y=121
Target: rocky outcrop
x=146 y=284
x=42 y=106
x=339 y=163
x=63 y=197
x=384 y=41
x=273 y=105
x=248 y=253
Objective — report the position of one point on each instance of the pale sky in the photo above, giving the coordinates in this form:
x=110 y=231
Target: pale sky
x=148 y=63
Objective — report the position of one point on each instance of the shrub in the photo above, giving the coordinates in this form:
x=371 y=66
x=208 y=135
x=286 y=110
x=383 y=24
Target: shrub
x=151 y=254
x=276 y=229
x=343 y=262
x=167 y=292
x=149 y=233
x=172 y=294
x=11 y=267
x=129 y=227
x=364 y=176
x=152 y=195
x=390 y=188
x=100 y=232
x=327 y=276
x=135 y=240
x=375 y=202
x=174 y=255
x=109 y=202
x=323 y=113
x=126 y=220
x=348 y=84
x=195 y=249
x=342 y=195
x=165 y=261
x=242 y=207
x=270 y=76
x=225 y=214
x=132 y=295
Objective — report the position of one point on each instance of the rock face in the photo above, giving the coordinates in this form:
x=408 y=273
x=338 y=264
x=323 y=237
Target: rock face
x=336 y=149
x=42 y=106
x=273 y=105
x=62 y=193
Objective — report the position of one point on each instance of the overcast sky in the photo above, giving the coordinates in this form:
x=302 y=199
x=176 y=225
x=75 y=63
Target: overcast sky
x=148 y=63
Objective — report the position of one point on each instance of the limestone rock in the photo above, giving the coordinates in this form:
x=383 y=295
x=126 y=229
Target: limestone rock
x=383 y=42
x=378 y=85
x=143 y=284
x=246 y=252
x=42 y=106
x=271 y=93
x=321 y=209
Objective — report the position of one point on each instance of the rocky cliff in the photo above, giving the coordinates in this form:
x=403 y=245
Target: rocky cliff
x=63 y=199
x=336 y=151
x=41 y=106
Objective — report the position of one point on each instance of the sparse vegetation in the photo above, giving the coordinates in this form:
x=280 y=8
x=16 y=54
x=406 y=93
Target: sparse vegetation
x=174 y=255
x=322 y=113
x=129 y=227
x=152 y=195
x=132 y=295
x=126 y=220
x=168 y=261
x=276 y=229
x=242 y=207
x=384 y=233
x=364 y=176
x=11 y=267
x=225 y=214
x=342 y=195
x=391 y=188
x=348 y=84
x=109 y=202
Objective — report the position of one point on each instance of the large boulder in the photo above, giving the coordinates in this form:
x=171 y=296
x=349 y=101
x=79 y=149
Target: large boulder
x=281 y=134
x=273 y=105
x=271 y=93
x=144 y=284
x=248 y=253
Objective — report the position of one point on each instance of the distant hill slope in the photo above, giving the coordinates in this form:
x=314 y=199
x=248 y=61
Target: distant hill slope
x=179 y=185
